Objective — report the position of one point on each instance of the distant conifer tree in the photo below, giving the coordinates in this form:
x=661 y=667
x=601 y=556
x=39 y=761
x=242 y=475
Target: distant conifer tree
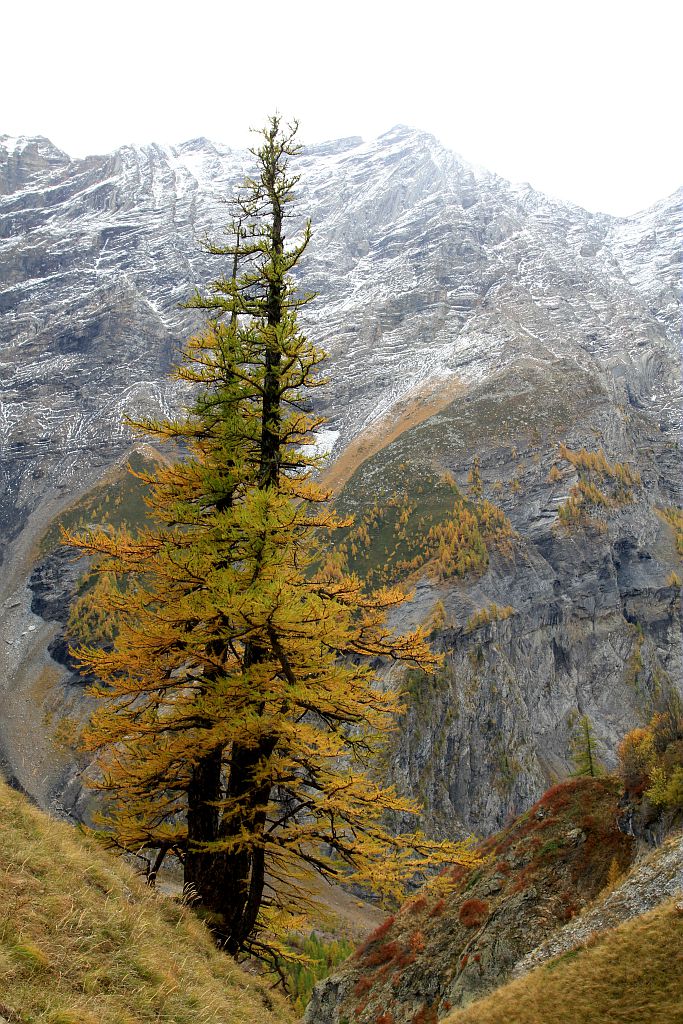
x=584 y=750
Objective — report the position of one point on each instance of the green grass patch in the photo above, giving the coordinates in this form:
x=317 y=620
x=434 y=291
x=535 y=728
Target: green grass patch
x=118 y=501
x=317 y=959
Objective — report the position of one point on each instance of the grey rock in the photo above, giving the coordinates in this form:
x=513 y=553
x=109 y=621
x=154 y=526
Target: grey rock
x=557 y=324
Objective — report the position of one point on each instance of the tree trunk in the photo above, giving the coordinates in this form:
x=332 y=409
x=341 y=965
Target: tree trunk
x=203 y=868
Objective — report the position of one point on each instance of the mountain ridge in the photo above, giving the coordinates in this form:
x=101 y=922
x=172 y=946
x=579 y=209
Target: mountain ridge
x=557 y=326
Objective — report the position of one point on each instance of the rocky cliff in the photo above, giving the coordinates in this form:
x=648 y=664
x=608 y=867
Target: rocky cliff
x=465 y=317
x=460 y=938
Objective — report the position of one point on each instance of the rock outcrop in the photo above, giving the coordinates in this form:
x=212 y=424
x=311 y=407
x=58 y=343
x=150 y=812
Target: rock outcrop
x=461 y=938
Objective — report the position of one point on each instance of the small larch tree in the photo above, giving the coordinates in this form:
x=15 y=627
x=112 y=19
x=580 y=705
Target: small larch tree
x=236 y=719
x=584 y=750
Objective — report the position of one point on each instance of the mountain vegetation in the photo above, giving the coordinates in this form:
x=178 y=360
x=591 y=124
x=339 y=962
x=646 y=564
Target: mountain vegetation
x=651 y=760
x=237 y=716
x=630 y=974
x=84 y=941
x=427 y=524
x=460 y=936
x=504 y=413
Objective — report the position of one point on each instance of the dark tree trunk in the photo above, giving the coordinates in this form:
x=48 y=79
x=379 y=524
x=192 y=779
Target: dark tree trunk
x=204 y=868
x=242 y=888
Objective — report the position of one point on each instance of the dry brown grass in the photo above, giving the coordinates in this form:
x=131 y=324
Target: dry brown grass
x=83 y=941
x=420 y=405
x=631 y=975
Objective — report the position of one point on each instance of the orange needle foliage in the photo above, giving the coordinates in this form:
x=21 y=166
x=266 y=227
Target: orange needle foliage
x=236 y=715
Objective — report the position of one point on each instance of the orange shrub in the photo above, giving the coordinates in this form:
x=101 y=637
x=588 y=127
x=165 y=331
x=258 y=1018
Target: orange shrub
x=362 y=986
x=473 y=913
x=383 y=954
x=378 y=934
x=634 y=753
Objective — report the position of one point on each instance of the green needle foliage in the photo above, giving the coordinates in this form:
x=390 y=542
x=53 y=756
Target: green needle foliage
x=584 y=750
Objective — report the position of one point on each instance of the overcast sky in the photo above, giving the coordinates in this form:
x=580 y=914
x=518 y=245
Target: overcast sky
x=581 y=99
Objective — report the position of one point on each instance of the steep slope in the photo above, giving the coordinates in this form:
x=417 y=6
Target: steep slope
x=461 y=938
x=652 y=880
x=83 y=941
x=591 y=582
x=630 y=975
x=522 y=323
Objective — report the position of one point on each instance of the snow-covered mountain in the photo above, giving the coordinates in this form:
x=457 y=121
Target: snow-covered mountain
x=464 y=315
x=425 y=267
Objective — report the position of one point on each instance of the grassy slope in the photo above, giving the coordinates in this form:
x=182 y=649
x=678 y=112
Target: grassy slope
x=118 y=499
x=628 y=976
x=83 y=941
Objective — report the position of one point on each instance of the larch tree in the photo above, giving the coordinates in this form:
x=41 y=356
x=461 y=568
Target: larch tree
x=236 y=720
x=584 y=750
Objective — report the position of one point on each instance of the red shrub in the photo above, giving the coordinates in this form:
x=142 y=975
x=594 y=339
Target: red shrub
x=382 y=972
x=385 y=1018
x=473 y=913
x=417 y=941
x=362 y=986
x=438 y=908
x=405 y=959
x=503 y=868
x=547 y=822
x=560 y=794
x=463 y=961
x=389 y=951
x=417 y=905
x=378 y=934
x=476 y=957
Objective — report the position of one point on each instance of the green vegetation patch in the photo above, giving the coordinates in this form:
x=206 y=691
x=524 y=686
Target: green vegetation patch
x=116 y=502
x=316 y=958
x=409 y=525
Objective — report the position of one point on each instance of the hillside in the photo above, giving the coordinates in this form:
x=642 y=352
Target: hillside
x=459 y=939
x=630 y=975
x=84 y=941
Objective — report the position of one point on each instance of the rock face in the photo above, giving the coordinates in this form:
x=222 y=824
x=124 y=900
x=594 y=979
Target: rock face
x=435 y=278
x=458 y=941
x=651 y=881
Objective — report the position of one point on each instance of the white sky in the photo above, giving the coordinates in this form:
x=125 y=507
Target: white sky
x=581 y=99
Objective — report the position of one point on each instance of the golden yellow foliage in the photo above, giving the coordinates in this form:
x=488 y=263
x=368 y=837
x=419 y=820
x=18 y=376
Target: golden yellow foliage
x=674 y=517
x=491 y=613
x=236 y=708
x=586 y=497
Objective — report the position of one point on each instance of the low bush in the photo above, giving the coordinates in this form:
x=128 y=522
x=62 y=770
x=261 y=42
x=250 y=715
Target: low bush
x=473 y=913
